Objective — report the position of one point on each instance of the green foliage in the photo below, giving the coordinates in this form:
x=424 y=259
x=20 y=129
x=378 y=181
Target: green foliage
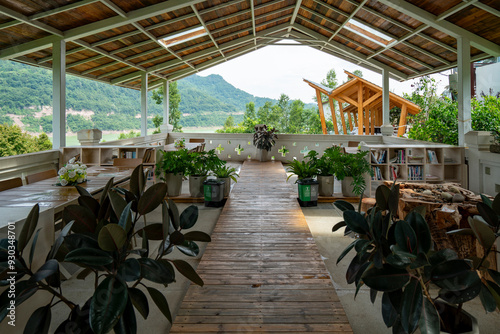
x=13 y=141
x=174 y=99
x=395 y=257
x=77 y=122
x=353 y=165
x=223 y=171
x=325 y=165
x=229 y=123
x=100 y=237
x=263 y=138
x=131 y=134
x=485 y=113
x=201 y=163
x=176 y=162
x=304 y=169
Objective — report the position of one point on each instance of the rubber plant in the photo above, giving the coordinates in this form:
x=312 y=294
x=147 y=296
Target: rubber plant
x=103 y=238
x=395 y=258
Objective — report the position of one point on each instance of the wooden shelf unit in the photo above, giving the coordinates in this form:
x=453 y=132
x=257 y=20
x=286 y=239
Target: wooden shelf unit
x=415 y=163
x=103 y=155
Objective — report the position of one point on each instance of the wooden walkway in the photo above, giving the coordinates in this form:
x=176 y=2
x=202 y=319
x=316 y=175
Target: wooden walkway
x=262 y=270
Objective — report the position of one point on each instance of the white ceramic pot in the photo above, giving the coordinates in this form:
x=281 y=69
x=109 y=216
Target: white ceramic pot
x=174 y=184
x=262 y=155
x=347 y=188
x=196 y=185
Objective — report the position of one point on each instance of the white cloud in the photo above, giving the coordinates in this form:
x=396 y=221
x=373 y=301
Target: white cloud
x=273 y=70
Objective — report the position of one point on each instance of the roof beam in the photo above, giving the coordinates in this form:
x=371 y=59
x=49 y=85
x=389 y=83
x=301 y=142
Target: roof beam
x=24 y=19
x=456 y=8
x=222 y=5
x=487 y=8
x=445 y=26
x=202 y=22
x=478 y=57
x=294 y=15
x=252 y=7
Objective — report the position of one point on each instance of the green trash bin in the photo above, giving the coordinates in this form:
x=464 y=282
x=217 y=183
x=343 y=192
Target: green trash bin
x=213 y=191
x=308 y=192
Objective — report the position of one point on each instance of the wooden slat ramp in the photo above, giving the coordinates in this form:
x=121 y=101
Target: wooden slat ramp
x=262 y=270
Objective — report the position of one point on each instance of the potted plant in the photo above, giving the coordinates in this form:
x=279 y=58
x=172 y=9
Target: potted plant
x=351 y=169
x=200 y=164
x=395 y=257
x=264 y=140
x=171 y=168
x=307 y=185
x=101 y=238
x=495 y=143
x=325 y=169
x=226 y=173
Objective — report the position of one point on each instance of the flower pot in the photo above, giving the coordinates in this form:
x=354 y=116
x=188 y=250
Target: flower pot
x=495 y=148
x=347 y=188
x=325 y=185
x=467 y=322
x=174 y=184
x=196 y=185
x=227 y=185
x=262 y=155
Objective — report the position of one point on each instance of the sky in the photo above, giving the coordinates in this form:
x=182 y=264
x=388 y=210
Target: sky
x=273 y=70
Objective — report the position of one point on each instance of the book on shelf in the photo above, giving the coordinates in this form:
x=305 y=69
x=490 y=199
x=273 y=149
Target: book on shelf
x=148 y=156
x=394 y=172
x=377 y=174
x=379 y=156
x=399 y=158
x=432 y=157
x=415 y=159
x=415 y=173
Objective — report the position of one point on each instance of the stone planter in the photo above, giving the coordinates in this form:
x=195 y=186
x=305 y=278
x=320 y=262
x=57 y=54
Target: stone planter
x=347 y=188
x=174 y=184
x=262 y=155
x=495 y=148
x=196 y=185
x=325 y=185
x=227 y=185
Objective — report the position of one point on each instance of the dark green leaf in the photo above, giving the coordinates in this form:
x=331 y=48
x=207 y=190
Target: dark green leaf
x=90 y=203
x=462 y=296
x=186 y=270
x=455 y=275
x=152 y=198
x=495 y=291
x=105 y=191
x=60 y=239
x=483 y=232
x=118 y=203
x=420 y=261
x=356 y=222
x=496 y=204
x=140 y=301
x=382 y=197
x=495 y=275
x=337 y=226
x=136 y=181
x=39 y=322
x=50 y=267
x=450 y=269
x=153 y=231
x=197 y=236
x=386 y=279
x=353 y=269
x=145 y=244
x=389 y=312
x=486 y=200
x=373 y=295
x=156 y=271
x=89 y=256
x=28 y=228
x=394 y=198
x=127 y=323
x=189 y=248
x=33 y=245
x=83 y=192
x=343 y=205
x=160 y=302
x=442 y=256
x=412 y=305
x=362 y=245
x=105 y=209
x=461 y=231
x=422 y=231
x=487 y=299
x=76 y=240
x=189 y=217
x=107 y=305
x=85 y=220
x=130 y=270
x=490 y=216
x=84 y=273
x=126 y=218
x=165 y=219
x=406 y=239
x=112 y=237
x=174 y=214
x=176 y=238
x=429 y=319
x=24 y=290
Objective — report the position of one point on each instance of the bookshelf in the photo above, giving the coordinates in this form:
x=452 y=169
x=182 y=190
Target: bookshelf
x=103 y=155
x=415 y=163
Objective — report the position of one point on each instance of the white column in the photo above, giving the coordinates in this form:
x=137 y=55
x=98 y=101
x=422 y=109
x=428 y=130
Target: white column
x=464 y=95
x=144 y=104
x=166 y=102
x=386 y=129
x=59 y=94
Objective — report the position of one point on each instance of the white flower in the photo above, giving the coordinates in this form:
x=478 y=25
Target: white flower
x=70 y=166
x=83 y=166
x=71 y=161
x=71 y=174
x=80 y=180
x=64 y=182
x=62 y=171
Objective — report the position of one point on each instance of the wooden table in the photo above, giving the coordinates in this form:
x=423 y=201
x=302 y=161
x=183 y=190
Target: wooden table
x=16 y=203
x=188 y=146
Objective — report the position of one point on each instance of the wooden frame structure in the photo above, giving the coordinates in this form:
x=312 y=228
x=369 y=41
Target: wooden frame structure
x=360 y=97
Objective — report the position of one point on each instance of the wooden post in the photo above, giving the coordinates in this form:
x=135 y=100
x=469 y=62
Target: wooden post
x=334 y=117
x=367 y=111
x=402 y=120
x=343 y=118
x=360 y=109
x=349 y=118
x=321 y=113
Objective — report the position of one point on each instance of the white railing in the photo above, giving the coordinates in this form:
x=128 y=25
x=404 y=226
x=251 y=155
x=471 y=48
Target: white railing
x=156 y=139
x=26 y=164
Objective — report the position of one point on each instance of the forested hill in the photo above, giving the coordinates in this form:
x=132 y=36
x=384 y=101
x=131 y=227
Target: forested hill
x=26 y=90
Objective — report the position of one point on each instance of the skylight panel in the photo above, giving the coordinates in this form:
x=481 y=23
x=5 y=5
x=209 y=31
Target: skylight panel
x=184 y=36
x=367 y=32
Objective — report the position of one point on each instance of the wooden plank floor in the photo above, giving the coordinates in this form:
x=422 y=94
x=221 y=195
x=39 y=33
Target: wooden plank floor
x=262 y=270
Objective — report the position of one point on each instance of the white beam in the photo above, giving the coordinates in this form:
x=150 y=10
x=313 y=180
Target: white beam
x=386 y=129
x=487 y=8
x=456 y=8
x=144 y=104
x=24 y=19
x=464 y=87
x=294 y=15
x=59 y=94
x=444 y=26
x=252 y=7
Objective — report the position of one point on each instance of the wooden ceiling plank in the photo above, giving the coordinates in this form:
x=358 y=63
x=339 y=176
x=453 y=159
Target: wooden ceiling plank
x=222 y=5
x=68 y=52
x=329 y=19
x=487 y=8
x=110 y=73
x=83 y=61
x=98 y=68
x=202 y=22
x=145 y=53
x=400 y=40
x=445 y=26
x=427 y=53
x=132 y=46
x=24 y=19
x=413 y=59
x=61 y=9
x=371 y=99
x=9 y=24
x=230 y=16
x=169 y=22
x=455 y=9
x=114 y=8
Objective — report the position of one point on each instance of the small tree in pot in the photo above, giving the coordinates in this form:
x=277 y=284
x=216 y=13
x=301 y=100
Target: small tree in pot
x=395 y=257
x=200 y=164
x=264 y=140
x=226 y=173
x=325 y=166
x=171 y=168
x=351 y=168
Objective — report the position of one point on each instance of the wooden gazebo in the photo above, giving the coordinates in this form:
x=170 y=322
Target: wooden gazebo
x=362 y=101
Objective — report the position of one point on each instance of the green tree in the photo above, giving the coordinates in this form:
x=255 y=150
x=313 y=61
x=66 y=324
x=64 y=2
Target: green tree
x=174 y=101
x=283 y=113
x=229 y=122
x=131 y=134
x=13 y=141
x=358 y=73
x=249 y=118
x=296 y=121
x=264 y=112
